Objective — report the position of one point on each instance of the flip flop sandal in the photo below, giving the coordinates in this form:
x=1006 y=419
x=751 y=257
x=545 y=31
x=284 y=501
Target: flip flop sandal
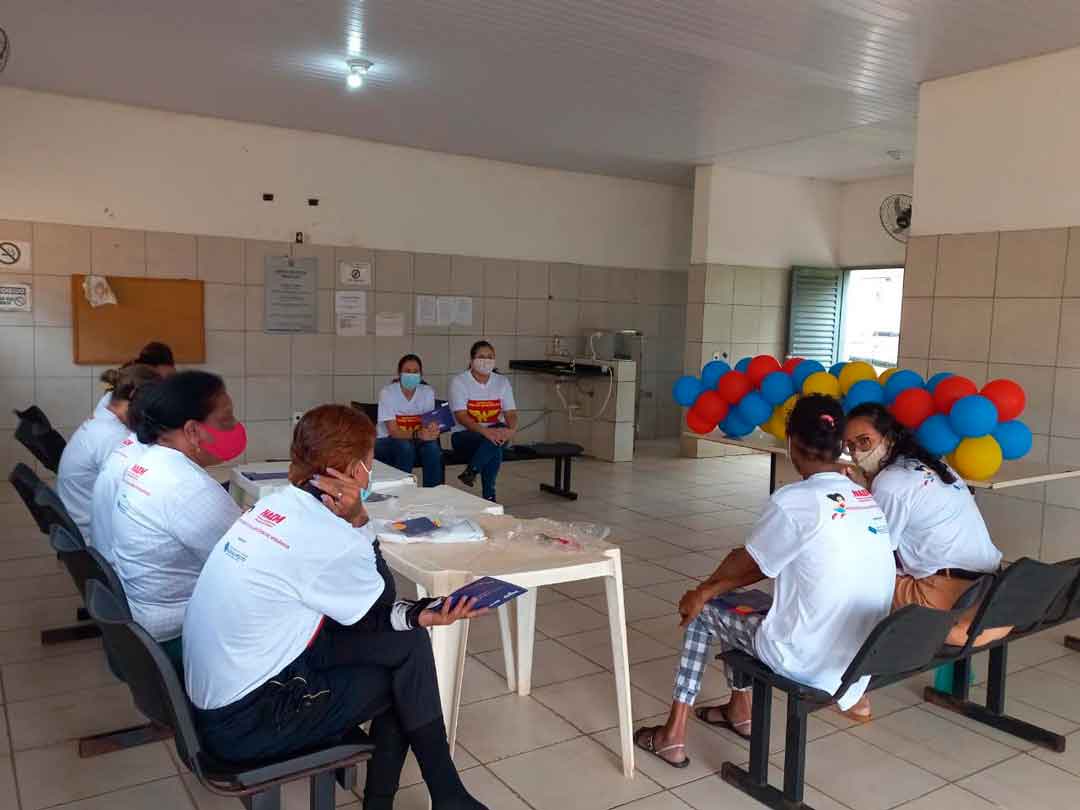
x=724 y=722
x=648 y=745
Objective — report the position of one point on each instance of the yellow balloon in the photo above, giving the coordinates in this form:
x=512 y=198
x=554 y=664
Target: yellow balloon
x=978 y=459
x=779 y=425
x=884 y=378
x=789 y=405
x=852 y=373
x=821 y=382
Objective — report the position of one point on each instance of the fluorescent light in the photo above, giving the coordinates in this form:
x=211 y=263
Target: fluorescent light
x=358 y=68
x=355 y=81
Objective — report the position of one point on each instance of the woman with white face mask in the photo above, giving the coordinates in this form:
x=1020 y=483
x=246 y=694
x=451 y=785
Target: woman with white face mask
x=483 y=404
x=402 y=435
x=940 y=540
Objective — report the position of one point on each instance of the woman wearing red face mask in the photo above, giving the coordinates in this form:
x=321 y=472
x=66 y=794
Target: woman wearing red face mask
x=168 y=512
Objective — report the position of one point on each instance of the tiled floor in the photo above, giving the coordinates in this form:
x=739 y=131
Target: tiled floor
x=555 y=750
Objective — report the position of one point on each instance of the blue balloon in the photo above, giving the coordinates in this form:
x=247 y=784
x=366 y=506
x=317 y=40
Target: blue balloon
x=804 y=370
x=1014 y=438
x=711 y=374
x=754 y=409
x=864 y=391
x=836 y=368
x=901 y=381
x=734 y=426
x=931 y=384
x=686 y=390
x=777 y=387
x=973 y=415
x=743 y=364
x=937 y=436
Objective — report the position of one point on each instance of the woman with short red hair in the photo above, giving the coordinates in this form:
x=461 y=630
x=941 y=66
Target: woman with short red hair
x=294 y=636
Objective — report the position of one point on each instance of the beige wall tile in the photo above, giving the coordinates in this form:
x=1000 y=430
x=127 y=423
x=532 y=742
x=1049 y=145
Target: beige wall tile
x=595 y=284
x=431 y=273
x=622 y=283
x=15 y=392
x=312 y=354
x=500 y=316
x=393 y=302
x=118 y=252
x=51 y=297
x=1038 y=384
x=532 y=318
x=1013 y=524
x=225 y=353
x=61 y=250
x=266 y=354
x=267 y=398
x=358 y=388
x=695 y=322
x=224 y=306
x=976 y=372
x=324 y=256
x=1066 y=492
x=744 y=324
x=353 y=355
x=773 y=325
x=532 y=280
x=67 y=401
x=672 y=322
x=967 y=264
x=621 y=315
x=1072 y=264
x=311 y=391
x=388 y=350
x=1059 y=534
x=961 y=329
x=477 y=325
x=565 y=281
x=920 y=266
x=220 y=259
x=269 y=440
x=500 y=278
x=717 y=323
x=648 y=287
x=775 y=287
x=523 y=348
x=1069 y=338
x=254 y=308
x=564 y=318
x=747 y=286
x=17 y=230
x=1066 y=417
x=53 y=353
x=434 y=351
x=915 y=320
x=466 y=276
x=596 y=315
x=255 y=253
x=170 y=255
x=695 y=284
x=1025 y=331
x=719 y=284
x=648 y=318
x=917 y=364
x=1031 y=263
x=393 y=271
x=676 y=285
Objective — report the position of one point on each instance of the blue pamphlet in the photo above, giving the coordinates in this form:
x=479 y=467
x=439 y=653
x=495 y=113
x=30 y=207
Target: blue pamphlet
x=441 y=416
x=488 y=591
x=744 y=602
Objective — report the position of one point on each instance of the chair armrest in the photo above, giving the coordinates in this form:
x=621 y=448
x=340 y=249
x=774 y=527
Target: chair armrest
x=328 y=759
x=748 y=665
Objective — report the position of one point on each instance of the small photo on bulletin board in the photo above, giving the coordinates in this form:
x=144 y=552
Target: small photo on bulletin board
x=164 y=309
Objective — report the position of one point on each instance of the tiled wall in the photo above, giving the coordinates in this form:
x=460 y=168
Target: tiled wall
x=517 y=306
x=1007 y=304
x=735 y=312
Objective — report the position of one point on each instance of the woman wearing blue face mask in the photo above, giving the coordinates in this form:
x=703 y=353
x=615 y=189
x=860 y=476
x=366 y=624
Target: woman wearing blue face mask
x=402 y=435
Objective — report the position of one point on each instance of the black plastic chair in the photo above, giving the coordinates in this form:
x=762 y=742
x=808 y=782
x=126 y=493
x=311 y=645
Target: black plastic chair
x=900 y=645
x=37 y=435
x=26 y=483
x=54 y=512
x=159 y=694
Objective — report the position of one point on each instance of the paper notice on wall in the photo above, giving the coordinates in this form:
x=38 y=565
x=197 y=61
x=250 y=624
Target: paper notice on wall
x=463 y=312
x=446 y=308
x=355 y=274
x=426 y=311
x=15 y=298
x=350 y=311
x=291 y=301
x=389 y=324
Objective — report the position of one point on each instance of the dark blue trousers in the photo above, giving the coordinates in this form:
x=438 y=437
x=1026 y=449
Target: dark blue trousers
x=402 y=454
x=485 y=458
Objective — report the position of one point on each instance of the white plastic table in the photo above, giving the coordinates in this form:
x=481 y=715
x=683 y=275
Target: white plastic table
x=245 y=491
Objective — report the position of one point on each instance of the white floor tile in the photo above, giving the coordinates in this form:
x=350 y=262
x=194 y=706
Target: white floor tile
x=552 y=663
x=590 y=703
x=503 y=727
x=1025 y=783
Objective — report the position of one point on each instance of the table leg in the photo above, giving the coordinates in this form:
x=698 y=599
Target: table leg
x=506 y=634
x=526 y=637
x=616 y=609
x=448 y=644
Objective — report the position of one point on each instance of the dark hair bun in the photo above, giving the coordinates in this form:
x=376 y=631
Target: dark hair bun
x=817 y=424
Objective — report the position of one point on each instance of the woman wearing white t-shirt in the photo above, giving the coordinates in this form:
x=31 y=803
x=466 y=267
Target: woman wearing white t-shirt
x=156 y=355
x=168 y=512
x=483 y=404
x=826 y=544
x=940 y=539
x=95 y=439
x=294 y=635
x=401 y=436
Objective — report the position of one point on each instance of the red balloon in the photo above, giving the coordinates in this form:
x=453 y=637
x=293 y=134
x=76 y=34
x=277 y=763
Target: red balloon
x=734 y=385
x=790 y=363
x=761 y=367
x=951 y=389
x=711 y=406
x=1008 y=396
x=697 y=423
x=912 y=407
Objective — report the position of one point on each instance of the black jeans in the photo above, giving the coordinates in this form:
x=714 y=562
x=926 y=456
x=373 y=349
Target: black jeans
x=346 y=677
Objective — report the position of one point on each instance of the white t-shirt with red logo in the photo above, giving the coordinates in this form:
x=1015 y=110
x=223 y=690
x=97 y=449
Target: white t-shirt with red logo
x=167 y=517
x=102 y=406
x=104 y=498
x=826 y=543
x=486 y=402
x=265 y=589
x=393 y=405
x=81 y=463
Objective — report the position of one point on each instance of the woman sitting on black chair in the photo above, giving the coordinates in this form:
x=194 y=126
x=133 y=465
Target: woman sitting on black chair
x=294 y=636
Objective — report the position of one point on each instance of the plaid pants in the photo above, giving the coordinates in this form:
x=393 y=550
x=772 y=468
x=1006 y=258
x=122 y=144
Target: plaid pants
x=733 y=631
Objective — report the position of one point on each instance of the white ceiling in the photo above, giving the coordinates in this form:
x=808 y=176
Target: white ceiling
x=636 y=88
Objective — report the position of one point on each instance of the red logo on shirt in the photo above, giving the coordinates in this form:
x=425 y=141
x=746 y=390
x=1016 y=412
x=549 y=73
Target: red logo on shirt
x=270 y=518
x=138 y=469
x=484 y=411
x=127 y=442
x=407 y=421
x=862 y=494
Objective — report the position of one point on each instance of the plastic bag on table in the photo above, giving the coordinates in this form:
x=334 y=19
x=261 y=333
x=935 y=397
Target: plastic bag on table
x=561 y=535
x=500 y=529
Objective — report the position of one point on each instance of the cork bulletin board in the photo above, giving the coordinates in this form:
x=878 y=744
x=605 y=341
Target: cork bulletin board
x=165 y=309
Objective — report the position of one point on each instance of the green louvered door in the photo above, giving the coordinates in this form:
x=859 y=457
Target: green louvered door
x=814 y=324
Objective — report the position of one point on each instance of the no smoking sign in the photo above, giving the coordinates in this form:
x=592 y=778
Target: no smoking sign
x=14 y=255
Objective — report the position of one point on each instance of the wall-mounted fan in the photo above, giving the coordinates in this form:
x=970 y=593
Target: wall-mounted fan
x=895 y=216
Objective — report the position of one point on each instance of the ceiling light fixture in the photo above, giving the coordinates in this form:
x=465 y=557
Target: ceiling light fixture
x=358 y=68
